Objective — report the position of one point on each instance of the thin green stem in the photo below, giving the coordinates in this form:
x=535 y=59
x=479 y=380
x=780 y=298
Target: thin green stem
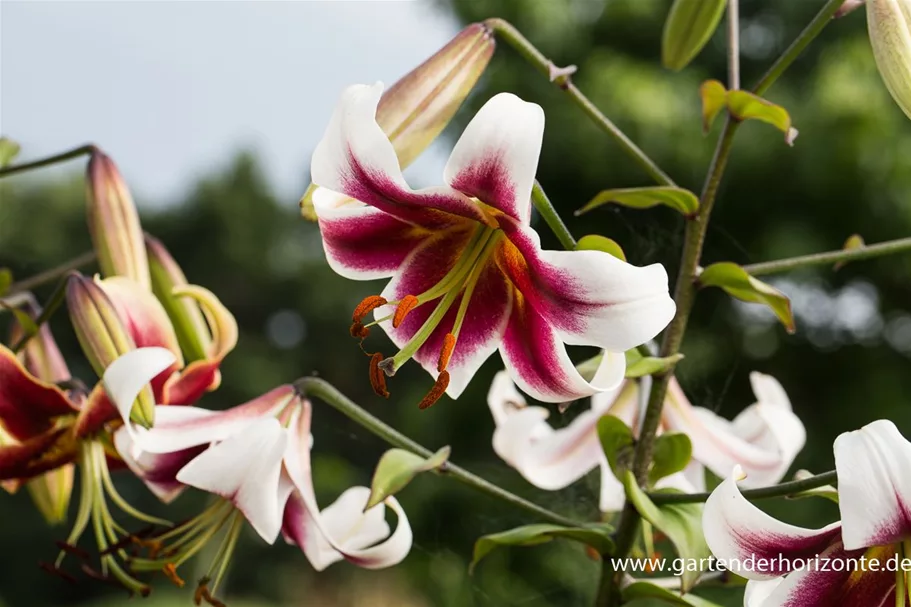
x=43 y=162
x=33 y=282
x=54 y=302
x=515 y=39
x=880 y=249
x=551 y=217
x=780 y=490
x=319 y=388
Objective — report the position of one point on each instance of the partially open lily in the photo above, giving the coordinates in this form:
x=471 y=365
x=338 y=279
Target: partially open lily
x=764 y=438
x=257 y=458
x=468 y=273
x=874 y=491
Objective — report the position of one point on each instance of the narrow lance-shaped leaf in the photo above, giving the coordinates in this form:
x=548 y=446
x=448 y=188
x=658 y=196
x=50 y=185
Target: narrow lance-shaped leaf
x=714 y=99
x=854 y=242
x=689 y=26
x=681 y=523
x=396 y=469
x=671 y=455
x=744 y=105
x=616 y=441
x=738 y=283
x=679 y=199
x=596 y=535
x=596 y=242
x=640 y=366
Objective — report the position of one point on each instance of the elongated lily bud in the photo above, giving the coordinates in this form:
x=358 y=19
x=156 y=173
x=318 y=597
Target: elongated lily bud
x=889 y=24
x=41 y=356
x=418 y=107
x=688 y=28
x=114 y=222
x=103 y=336
x=189 y=323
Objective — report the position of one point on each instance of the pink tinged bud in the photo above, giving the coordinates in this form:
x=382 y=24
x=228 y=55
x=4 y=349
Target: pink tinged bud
x=848 y=7
x=889 y=24
x=51 y=493
x=185 y=313
x=114 y=222
x=103 y=336
x=41 y=357
x=416 y=109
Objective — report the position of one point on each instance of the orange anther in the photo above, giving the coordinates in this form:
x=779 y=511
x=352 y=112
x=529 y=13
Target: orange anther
x=369 y=304
x=439 y=387
x=377 y=377
x=170 y=572
x=408 y=303
x=449 y=343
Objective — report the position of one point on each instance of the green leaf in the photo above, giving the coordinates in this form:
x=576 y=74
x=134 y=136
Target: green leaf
x=396 y=469
x=738 y=283
x=747 y=106
x=643 y=592
x=676 y=198
x=689 y=26
x=616 y=441
x=826 y=491
x=714 y=99
x=672 y=453
x=681 y=523
x=6 y=279
x=596 y=535
x=854 y=241
x=9 y=149
x=23 y=318
x=640 y=366
x=596 y=242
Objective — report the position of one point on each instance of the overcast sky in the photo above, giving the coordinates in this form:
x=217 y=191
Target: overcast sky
x=172 y=88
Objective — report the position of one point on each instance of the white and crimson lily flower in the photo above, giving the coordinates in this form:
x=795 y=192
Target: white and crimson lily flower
x=468 y=272
x=764 y=438
x=874 y=491
x=257 y=457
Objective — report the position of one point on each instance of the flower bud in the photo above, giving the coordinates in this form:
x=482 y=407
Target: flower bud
x=193 y=333
x=689 y=26
x=114 y=222
x=889 y=24
x=41 y=356
x=51 y=493
x=418 y=107
x=103 y=336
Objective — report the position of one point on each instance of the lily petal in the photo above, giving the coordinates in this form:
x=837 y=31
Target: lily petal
x=835 y=584
x=360 y=241
x=245 y=469
x=27 y=404
x=496 y=157
x=356 y=158
x=589 y=297
x=37 y=455
x=874 y=488
x=143 y=316
x=612 y=496
x=539 y=364
x=503 y=399
x=125 y=378
x=738 y=531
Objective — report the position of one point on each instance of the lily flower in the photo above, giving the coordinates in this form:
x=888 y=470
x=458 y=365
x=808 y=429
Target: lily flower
x=764 y=438
x=859 y=561
x=256 y=457
x=468 y=273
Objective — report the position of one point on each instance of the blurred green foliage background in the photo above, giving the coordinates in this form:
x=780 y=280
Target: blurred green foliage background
x=849 y=172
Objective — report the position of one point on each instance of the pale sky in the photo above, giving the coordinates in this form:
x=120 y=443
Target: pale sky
x=170 y=89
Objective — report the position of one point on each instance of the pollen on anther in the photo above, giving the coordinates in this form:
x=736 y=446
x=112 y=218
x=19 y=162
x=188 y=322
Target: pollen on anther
x=377 y=376
x=170 y=572
x=449 y=343
x=438 y=389
x=358 y=331
x=369 y=304
x=408 y=303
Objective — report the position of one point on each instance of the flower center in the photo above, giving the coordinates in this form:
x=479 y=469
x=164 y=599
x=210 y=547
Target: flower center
x=461 y=279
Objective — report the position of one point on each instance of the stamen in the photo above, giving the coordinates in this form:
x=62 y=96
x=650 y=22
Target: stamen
x=202 y=594
x=436 y=391
x=57 y=571
x=408 y=303
x=449 y=343
x=377 y=377
x=369 y=304
x=170 y=572
x=358 y=331
x=79 y=553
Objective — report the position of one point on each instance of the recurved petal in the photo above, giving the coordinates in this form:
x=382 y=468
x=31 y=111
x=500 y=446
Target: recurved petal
x=125 y=378
x=36 y=455
x=612 y=496
x=874 y=487
x=27 y=405
x=503 y=398
x=537 y=360
x=246 y=469
x=360 y=241
x=496 y=157
x=355 y=158
x=142 y=314
x=589 y=297
x=739 y=532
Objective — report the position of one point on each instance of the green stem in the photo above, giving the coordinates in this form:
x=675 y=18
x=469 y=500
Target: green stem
x=551 y=217
x=780 y=490
x=32 y=282
x=879 y=249
x=515 y=39
x=43 y=162
x=53 y=303
x=319 y=388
